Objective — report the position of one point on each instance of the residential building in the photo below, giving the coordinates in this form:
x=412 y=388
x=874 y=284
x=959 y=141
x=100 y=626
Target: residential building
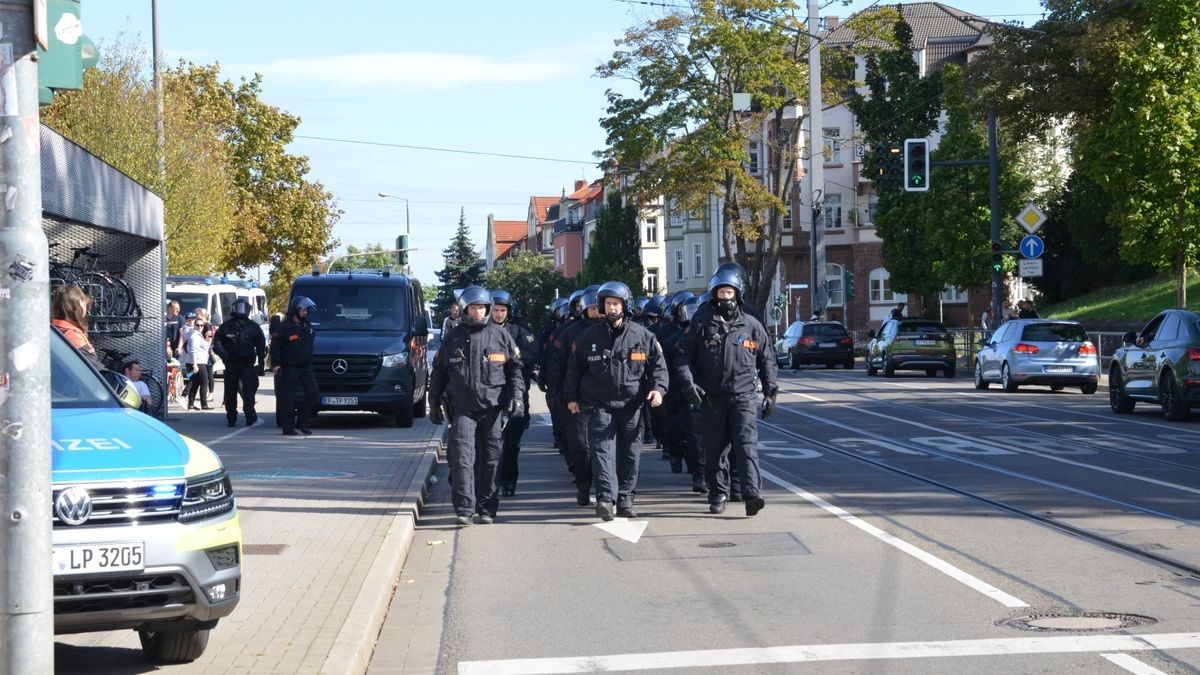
x=574 y=227
x=693 y=245
x=540 y=237
x=503 y=237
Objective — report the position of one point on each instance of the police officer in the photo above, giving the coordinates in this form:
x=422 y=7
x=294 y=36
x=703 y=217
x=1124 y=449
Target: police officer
x=559 y=314
x=503 y=315
x=240 y=344
x=291 y=358
x=676 y=415
x=614 y=367
x=719 y=360
x=477 y=367
x=575 y=426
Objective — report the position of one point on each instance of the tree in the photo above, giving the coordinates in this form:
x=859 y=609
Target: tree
x=1147 y=152
x=463 y=268
x=372 y=257
x=532 y=283
x=616 y=254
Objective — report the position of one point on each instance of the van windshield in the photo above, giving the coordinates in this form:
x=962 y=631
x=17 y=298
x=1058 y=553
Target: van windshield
x=188 y=302
x=357 y=307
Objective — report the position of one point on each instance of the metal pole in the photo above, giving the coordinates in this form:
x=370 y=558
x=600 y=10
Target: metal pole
x=408 y=231
x=161 y=134
x=816 y=159
x=26 y=582
x=994 y=190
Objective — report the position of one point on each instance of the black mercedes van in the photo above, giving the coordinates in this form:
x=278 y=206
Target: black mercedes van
x=371 y=331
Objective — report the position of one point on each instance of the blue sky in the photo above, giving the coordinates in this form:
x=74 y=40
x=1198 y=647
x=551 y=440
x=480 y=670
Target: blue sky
x=512 y=77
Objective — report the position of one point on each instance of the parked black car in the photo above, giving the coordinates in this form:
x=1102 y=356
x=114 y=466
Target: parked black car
x=1160 y=364
x=825 y=343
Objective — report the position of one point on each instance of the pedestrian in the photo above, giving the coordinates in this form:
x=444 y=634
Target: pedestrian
x=240 y=344
x=132 y=369
x=503 y=311
x=720 y=359
x=614 y=366
x=209 y=331
x=291 y=358
x=451 y=320
x=477 y=367
x=197 y=348
x=69 y=314
x=173 y=328
x=1025 y=310
x=898 y=312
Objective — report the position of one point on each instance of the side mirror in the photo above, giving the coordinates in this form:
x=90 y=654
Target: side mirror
x=123 y=388
x=1129 y=338
x=421 y=327
x=871 y=334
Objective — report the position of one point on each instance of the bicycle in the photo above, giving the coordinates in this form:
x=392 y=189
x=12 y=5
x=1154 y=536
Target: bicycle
x=156 y=406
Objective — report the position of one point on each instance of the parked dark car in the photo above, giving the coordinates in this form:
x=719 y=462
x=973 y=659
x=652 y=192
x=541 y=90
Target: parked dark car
x=1038 y=351
x=912 y=344
x=825 y=343
x=1160 y=364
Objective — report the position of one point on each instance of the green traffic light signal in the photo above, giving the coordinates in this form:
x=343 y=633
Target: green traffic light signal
x=997 y=257
x=916 y=165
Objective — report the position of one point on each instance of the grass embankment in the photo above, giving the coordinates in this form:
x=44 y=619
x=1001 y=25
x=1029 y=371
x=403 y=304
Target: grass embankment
x=1135 y=303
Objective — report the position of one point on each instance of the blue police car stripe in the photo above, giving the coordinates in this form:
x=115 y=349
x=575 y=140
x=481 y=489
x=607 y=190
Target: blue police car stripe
x=113 y=444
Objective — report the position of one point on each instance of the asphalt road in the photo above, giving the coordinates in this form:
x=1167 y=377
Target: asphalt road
x=913 y=525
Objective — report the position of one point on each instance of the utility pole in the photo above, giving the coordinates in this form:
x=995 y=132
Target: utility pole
x=407 y=224
x=994 y=199
x=816 y=163
x=26 y=581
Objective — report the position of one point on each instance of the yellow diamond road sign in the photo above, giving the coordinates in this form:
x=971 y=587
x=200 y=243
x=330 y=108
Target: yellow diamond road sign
x=1031 y=218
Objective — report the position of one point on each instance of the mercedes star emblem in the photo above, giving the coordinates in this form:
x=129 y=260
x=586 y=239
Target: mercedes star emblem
x=340 y=366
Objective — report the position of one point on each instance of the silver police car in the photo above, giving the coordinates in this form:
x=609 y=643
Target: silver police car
x=1038 y=351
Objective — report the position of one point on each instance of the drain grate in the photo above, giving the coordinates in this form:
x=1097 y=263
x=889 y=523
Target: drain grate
x=263 y=549
x=717 y=544
x=1078 y=622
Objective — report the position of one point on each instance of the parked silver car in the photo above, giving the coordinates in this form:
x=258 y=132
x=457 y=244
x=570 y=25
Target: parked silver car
x=1039 y=351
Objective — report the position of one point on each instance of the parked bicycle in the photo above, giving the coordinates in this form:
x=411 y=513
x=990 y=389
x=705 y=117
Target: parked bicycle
x=114 y=306
x=156 y=406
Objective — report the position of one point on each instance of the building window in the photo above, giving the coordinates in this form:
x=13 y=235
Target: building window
x=752 y=150
x=872 y=208
x=652 y=231
x=787 y=214
x=833 y=285
x=953 y=295
x=652 y=281
x=697 y=260
x=833 y=145
x=833 y=211
x=881 y=291
x=678 y=264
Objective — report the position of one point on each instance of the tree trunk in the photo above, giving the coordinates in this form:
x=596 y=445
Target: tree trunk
x=1181 y=278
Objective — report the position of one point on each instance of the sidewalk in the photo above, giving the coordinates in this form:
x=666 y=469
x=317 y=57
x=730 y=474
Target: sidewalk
x=327 y=522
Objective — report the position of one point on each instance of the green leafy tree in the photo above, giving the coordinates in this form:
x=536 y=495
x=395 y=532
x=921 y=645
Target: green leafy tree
x=371 y=257
x=532 y=283
x=1147 y=152
x=616 y=255
x=463 y=268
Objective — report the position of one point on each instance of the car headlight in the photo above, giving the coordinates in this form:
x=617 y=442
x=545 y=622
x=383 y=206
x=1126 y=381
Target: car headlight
x=395 y=360
x=206 y=496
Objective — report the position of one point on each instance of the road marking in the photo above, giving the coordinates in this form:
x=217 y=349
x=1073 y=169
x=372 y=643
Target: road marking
x=1132 y=665
x=231 y=434
x=702 y=658
x=887 y=538
x=629 y=530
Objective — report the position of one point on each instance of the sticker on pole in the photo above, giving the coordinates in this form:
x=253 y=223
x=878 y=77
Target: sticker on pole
x=1031 y=218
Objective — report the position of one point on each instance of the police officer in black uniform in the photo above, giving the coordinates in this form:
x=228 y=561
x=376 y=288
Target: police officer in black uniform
x=291 y=358
x=614 y=367
x=559 y=314
x=241 y=345
x=477 y=367
x=719 y=360
x=575 y=426
x=503 y=315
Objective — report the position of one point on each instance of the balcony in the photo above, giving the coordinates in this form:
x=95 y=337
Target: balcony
x=562 y=226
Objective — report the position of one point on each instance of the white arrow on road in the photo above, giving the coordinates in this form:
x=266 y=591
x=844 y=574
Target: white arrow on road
x=629 y=530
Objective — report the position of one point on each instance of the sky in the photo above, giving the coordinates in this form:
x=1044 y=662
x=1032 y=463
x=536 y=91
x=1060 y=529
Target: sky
x=470 y=76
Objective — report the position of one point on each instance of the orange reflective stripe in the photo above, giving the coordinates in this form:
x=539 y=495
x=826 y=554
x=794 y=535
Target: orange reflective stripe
x=637 y=356
x=497 y=358
x=750 y=344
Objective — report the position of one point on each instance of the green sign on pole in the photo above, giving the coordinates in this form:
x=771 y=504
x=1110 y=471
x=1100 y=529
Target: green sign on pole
x=69 y=51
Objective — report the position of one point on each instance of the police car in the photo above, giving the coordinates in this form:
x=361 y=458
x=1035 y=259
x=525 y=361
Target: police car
x=146 y=533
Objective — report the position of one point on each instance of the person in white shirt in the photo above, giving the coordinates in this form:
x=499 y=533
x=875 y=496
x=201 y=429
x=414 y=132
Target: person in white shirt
x=133 y=370
x=196 y=346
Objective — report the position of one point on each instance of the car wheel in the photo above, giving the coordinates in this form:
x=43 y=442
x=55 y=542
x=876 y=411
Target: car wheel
x=888 y=369
x=795 y=362
x=1089 y=388
x=849 y=365
x=422 y=406
x=871 y=369
x=1174 y=409
x=980 y=383
x=174 y=646
x=1118 y=400
x=404 y=416
x=830 y=365
x=931 y=372
x=951 y=371
x=1010 y=385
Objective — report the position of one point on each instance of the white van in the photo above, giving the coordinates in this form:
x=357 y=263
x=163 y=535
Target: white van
x=257 y=297
x=207 y=292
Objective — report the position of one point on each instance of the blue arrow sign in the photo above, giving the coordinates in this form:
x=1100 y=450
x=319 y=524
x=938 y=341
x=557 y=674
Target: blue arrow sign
x=1032 y=246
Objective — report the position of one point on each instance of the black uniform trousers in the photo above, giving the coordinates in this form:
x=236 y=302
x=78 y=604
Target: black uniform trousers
x=575 y=440
x=730 y=422
x=511 y=445
x=293 y=380
x=675 y=431
x=241 y=375
x=473 y=451
x=697 y=455
x=558 y=421
x=615 y=441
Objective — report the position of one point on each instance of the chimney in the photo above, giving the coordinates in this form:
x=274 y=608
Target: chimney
x=580 y=184
x=831 y=23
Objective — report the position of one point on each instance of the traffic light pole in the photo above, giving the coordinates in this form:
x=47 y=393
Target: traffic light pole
x=26 y=580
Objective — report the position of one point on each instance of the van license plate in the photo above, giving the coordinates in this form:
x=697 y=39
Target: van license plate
x=1060 y=369
x=90 y=558
x=339 y=400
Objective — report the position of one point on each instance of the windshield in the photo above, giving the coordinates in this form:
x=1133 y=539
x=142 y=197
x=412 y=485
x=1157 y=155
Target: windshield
x=794 y=330
x=72 y=383
x=356 y=307
x=824 y=330
x=1054 y=332
x=188 y=302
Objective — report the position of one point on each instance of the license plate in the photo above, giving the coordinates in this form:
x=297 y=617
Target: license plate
x=827 y=344
x=339 y=400
x=1060 y=369
x=90 y=558
x=924 y=343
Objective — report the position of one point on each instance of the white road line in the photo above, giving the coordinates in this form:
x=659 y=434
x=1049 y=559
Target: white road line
x=844 y=652
x=928 y=558
x=1132 y=665
x=231 y=434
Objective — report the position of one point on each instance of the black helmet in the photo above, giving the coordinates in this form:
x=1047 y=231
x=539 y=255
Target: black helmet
x=240 y=308
x=686 y=310
x=639 y=305
x=727 y=278
x=678 y=299
x=617 y=289
x=474 y=295
x=654 y=307
x=300 y=302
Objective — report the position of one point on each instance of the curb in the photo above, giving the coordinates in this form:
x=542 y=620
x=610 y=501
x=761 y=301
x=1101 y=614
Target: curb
x=351 y=651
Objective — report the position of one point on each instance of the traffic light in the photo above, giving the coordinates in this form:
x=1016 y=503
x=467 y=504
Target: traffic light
x=997 y=257
x=916 y=165
x=402 y=254
x=848 y=284
x=889 y=163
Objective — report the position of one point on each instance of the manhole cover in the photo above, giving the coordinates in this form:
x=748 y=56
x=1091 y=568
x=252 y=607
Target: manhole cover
x=1083 y=621
x=717 y=544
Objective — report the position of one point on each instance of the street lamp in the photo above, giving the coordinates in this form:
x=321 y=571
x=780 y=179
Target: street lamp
x=407 y=222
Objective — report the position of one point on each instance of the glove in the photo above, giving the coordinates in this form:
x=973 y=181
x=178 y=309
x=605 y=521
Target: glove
x=516 y=408
x=436 y=415
x=694 y=395
x=542 y=386
x=768 y=405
